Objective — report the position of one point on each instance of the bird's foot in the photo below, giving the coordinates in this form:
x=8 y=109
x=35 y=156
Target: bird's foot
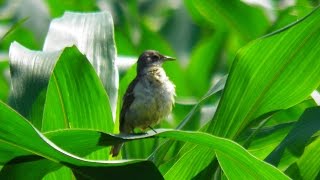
x=152 y=129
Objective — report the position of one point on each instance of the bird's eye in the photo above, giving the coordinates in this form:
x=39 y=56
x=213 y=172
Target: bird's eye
x=154 y=57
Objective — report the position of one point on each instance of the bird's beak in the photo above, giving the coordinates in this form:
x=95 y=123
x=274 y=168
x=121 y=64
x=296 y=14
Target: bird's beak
x=168 y=58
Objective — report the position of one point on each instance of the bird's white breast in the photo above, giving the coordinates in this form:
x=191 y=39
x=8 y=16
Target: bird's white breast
x=153 y=99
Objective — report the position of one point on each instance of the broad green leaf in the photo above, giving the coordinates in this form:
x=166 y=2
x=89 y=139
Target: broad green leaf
x=244 y=161
x=15 y=129
x=75 y=96
x=57 y=8
x=64 y=172
x=4 y=84
x=96 y=43
x=289 y=15
x=19 y=135
x=31 y=70
x=298 y=137
x=251 y=166
x=248 y=22
x=309 y=162
x=15 y=169
x=262 y=141
x=274 y=72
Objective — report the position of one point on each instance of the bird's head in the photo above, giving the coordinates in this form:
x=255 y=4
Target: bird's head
x=151 y=58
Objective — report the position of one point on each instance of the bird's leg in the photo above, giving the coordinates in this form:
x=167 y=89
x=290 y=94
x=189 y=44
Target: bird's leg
x=132 y=130
x=152 y=129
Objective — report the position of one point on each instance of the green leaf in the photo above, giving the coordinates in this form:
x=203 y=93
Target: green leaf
x=272 y=73
x=298 y=137
x=240 y=158
x=15 y=129
x=96 y=43
x=30 y=70
x=309 y=163
x=20 y=136
x=75 y=96
x=64 y=172
x=262 y=141
x=248 y=22
x=214 y=89
x=4 y=84
x=57 y=8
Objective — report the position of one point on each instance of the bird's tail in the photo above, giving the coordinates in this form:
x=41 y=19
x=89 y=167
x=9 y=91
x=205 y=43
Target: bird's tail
x=116 y=149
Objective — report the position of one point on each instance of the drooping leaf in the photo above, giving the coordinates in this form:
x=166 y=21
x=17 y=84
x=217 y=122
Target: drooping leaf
x=22 y=138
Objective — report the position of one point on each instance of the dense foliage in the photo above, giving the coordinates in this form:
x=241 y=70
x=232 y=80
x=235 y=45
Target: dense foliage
x=247 y=81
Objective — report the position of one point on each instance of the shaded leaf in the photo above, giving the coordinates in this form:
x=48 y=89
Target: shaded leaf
x=298 y=137
x=30 y=72
x=19 y=135
x=275 y=72
x=308 y=164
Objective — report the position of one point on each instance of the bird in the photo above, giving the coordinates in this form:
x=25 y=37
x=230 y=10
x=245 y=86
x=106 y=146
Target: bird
x=149 y=97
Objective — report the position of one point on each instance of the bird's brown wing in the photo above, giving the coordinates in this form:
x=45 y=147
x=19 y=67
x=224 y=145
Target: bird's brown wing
x=128 y=98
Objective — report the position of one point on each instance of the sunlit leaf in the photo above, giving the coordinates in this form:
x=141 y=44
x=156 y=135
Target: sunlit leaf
x=75 y=96
x=30 y=70
x=4 y=84
x=96 y=43
x=247 y=21
x=275 y=72
x=21 y=137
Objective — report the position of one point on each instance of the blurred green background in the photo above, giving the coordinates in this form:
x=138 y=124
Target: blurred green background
x=204 y=42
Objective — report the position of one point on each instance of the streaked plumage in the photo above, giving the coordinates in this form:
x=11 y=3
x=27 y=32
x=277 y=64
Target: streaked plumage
x=149 y=97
